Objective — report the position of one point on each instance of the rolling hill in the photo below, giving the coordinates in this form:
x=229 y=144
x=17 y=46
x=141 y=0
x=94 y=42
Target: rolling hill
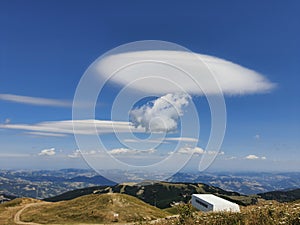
x=160 y=194
x=104 y=208
x=282 y=196
x=6 y=197
x=96 y=209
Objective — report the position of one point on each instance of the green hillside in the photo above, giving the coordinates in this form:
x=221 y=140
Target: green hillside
x=160 y=194
x=282 y=196
x=104 y=208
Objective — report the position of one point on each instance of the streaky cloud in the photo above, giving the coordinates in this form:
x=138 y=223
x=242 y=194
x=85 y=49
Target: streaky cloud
x=84 y=127
x=35 y=100
x=127 y=151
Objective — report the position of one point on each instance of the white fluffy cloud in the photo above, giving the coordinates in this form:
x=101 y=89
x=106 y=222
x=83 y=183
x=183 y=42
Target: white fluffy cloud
x=233 y=79
x=35 y=100
x=197 y=151
x=47 y=152
x=255 y=157
x=251 y=157
x=123 y=151
x=162 y=114
x=189 y=150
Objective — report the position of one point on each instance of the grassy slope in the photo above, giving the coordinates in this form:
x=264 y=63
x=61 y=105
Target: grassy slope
x=85 y=209
x=9 y=209
x=160 y=194
x=94 y=209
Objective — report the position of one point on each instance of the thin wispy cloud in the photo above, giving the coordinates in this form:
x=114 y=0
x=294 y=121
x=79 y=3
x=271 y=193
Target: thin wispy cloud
x=231 y=158
x=183 y=139
x=197 y=151
x=77 y=153
x=84 y=127
x=14 y=155
x=232 y=79
x=164 y=140
x=131 y=140
x=46 y=134
x=126 y=151
x=35 y=100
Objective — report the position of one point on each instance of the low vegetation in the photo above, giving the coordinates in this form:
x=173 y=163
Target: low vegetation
x=122 y=208
x=265 y=213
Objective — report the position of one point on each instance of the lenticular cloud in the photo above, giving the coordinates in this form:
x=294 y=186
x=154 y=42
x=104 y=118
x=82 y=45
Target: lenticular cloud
x=163 y=71
x=162 y=114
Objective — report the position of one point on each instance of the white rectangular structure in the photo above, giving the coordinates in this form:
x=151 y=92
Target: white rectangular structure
x=210 y=202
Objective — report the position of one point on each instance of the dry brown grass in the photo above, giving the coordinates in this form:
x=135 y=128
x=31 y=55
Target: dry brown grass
x=93 y=209
x=265 y=213
x=9 y=209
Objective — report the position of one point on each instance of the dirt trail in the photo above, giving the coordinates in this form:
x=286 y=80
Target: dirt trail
x=17 y=216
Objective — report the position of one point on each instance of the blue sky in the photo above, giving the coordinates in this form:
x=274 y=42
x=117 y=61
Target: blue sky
x=46 y=46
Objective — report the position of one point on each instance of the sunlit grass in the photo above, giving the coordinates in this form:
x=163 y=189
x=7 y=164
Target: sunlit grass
x=265 y=213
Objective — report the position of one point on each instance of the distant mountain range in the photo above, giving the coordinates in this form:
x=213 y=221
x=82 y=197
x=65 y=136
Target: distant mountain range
x=48 y=183
x=243 y=182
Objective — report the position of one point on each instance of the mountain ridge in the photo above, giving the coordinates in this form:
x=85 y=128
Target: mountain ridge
x=282 y=196
x=157 y=193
